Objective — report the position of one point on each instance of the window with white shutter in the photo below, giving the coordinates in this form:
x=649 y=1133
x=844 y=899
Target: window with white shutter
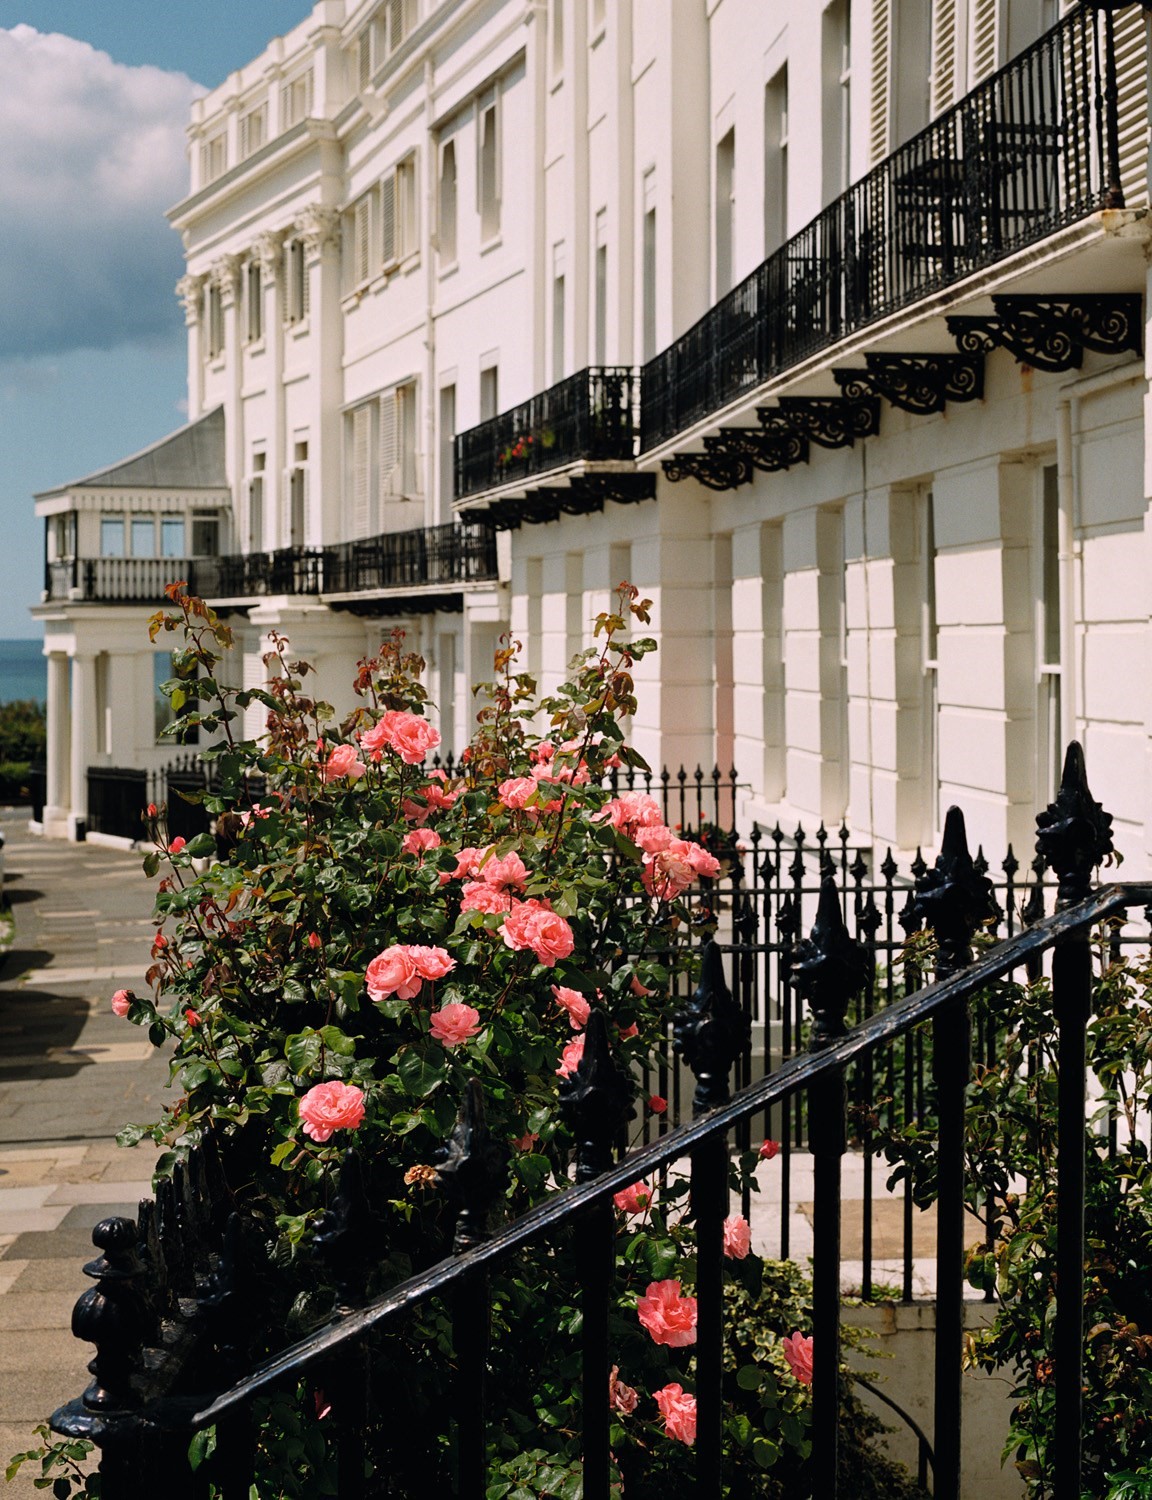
x=296 y=100
x=391 y=476
x=388 y=226
x=360 y=469
x=252 y=130
x=1132 y=90
x=254 y=300
x=945 y=83
x=488 y=173
x=213 y=158
x=446 y=230
x=361 y=246
x=364 y=59
x=880 y=96
x=984 y=37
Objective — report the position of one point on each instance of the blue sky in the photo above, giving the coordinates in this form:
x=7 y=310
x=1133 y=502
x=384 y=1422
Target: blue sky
x=94 y=97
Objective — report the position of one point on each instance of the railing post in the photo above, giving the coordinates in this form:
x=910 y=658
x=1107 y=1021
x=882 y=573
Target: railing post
x=1074 y=834
x=829 y=969
x=953 y=899
x=114 y=1316
x=596 y=1101
x=473 y=1168
x=710 y=1033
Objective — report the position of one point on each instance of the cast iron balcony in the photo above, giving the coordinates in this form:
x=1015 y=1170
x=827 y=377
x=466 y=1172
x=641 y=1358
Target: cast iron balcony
x=445 y=556
x=589 y=416
x=1030 y=150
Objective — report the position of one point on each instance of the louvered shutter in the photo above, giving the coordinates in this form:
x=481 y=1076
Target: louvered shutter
x=388 y=219
x=242 y=132
x=305 y=280
x=985 y=39
x=361 y=459
x=880 y=113
x=1132 y=90
x=390 y=445
x=364 y=60
x=395 y=24
x=945 y=59
x=361 y=240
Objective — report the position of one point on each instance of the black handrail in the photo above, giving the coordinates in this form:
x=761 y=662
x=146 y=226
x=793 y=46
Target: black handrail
x=798 y=1072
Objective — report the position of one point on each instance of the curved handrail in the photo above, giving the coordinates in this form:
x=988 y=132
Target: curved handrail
x=927 y=1459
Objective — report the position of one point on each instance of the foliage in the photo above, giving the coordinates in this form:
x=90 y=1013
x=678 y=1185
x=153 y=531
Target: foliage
x=370 y=940
x=23 y=731
x=1011 y=1133
x=60 y=1467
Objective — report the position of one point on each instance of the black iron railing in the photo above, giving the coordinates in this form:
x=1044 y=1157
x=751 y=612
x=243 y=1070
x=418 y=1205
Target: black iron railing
x=119 y=796
x=590 y=415
x=288 y=570
x=1029 y=150
x=138 y=1322
x=446 y=555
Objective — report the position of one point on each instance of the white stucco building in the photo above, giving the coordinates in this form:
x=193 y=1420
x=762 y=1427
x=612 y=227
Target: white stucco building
x=492 y=304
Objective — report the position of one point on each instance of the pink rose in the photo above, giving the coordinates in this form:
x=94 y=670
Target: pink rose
x=468 y=862
x=431 y=963
x=393 y=973
x=737 y=1238
x=514 y=794
x=314 y=940
x=631 y=810
x=412 y=738
x=343 y=762
x=176 y=845
x=657 y=1104
x=122 y=1003
x=678 y=1409
x=574 y=1003
x=667 y=1314
x=436 y=797
x=329 y=1107
x=571 y=1056
x=621 y=1397
x=534 y=925
x=193 y=1017
x=634 y=1199
x=454 y=1024
x=670 y=872
x=626 y=1033
x=415 y=812
x=769 y=1150
x=638 y=989
x=705 y=864
x=544 y=751
x=419 y=841
x=506 y=873
x=487 y=898
x=652 y=840
x=798 y=1353
x=526 y=1141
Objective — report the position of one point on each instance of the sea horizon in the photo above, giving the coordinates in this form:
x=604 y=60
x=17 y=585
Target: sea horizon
x=23 y=669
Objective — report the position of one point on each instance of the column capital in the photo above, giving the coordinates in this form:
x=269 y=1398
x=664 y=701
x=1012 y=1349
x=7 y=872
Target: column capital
x=268 y=249
x=226 y=276
x=319 y=227
x=190 y=291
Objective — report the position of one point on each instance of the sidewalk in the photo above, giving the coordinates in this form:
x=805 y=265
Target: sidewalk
x=71 y=1074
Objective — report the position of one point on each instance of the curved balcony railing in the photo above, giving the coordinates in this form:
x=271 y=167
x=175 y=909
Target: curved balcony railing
x=590 y=415
x=1031 y=149
x=445 y=556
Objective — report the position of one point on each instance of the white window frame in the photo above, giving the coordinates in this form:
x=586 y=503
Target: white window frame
x=213 y=157
x=296 y=98
x=447 y=253
x=252 y=130
x=296 y=290
x=489 y=102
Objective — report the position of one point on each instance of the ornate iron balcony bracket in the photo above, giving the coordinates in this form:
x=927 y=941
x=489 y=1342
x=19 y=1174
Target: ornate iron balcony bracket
x=592 y=490
x=831 y=421
x=769 y=449
x=716 y=471
x=1052 y=333
x=917 y=383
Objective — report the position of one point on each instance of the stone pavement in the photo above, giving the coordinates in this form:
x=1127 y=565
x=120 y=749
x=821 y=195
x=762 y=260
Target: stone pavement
x=71 y=1074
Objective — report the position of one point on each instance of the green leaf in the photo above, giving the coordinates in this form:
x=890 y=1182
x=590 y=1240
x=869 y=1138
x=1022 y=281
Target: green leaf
x=201 y=846
x=151 y=864
x=303 y=1051
x=419 y=1075
x=749 y=1377
x=765 y=1452
x=282 y=1152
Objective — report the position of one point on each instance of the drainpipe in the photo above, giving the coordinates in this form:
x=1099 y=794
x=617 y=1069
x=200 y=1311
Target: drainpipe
x=1066 y=488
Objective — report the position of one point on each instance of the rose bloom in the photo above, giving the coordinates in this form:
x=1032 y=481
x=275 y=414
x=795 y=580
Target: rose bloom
x=343 y=762
x=634 y=1199
x=574 y=1003
x=631 y=810
x=769 y=1150
x=626 y=1033
x=468 y=862
x=509 y=872
x=436 y=797
x=121 y=1003
x=798 y=1353
x=393 y=973
x=571 y=1056
x=489 y=898
x=657 y=1104
x=193 y=1017
x=514 y=793
x=670 y=871
x=415 y=812
x=652 y=840
x=453 y=1024
x=176 y=845
x=526 y=1141
x=667 y=1314
x=638 y=989
x=431 y=963
x=329 y=1107
x=314 y=940
x=678 y=1409
x=737 y=1238
x=621 y=1397
x=420 y=840
x=412 y=738
x=533 y=925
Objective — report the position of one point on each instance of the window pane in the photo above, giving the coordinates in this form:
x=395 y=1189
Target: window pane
x=205 y=536
x=143 y=536
x=172 y=536
x=111 y=536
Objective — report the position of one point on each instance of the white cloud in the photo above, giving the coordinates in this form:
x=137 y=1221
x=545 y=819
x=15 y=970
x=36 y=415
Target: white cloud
x=93 y=154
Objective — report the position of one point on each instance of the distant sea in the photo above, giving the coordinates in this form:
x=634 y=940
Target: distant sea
x=23 y=671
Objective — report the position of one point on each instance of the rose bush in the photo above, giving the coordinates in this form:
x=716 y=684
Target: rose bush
x=373 y=934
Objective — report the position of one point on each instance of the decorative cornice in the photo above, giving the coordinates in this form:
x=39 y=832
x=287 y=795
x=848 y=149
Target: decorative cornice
x=769 y=449
x=1051 y=333
x=919 y=383
x=831 y=421
x=190 y=290
x=318 y=227
x=268 y=249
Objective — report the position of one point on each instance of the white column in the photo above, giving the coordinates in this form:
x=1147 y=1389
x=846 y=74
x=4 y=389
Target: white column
x=227 y=274
x=320 y=228
x=56 y=796
x=83 y=734
x=190 y=290
x=270 y=249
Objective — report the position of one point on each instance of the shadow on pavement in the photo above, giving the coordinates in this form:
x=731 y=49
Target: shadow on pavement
x=18 y=961
x=26 y=893
x=32 y=1022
